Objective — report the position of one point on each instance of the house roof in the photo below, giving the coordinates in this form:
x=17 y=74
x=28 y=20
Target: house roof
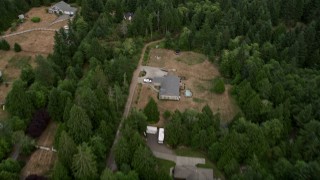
x=170 y=86
x=192 y=173
x=65 y=7
x=158 y=80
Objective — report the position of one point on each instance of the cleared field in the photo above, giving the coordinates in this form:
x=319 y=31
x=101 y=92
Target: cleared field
x=41 y=161
x=198 y=76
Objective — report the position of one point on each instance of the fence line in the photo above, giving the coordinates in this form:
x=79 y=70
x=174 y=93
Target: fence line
x=29 y=30
x=46 y=148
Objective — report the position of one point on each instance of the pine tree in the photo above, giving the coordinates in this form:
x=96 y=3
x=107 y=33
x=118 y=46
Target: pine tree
x=67 y=148
x=17 y=47
x=18 y=101
x=84 y=165
x=151 y=111
x=4 y=45
x=79 y=125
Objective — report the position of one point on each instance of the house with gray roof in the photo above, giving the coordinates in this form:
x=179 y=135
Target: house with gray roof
x=62 y=8
x=169 y=87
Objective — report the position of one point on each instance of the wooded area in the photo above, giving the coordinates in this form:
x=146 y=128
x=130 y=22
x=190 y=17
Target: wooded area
x=267 y=49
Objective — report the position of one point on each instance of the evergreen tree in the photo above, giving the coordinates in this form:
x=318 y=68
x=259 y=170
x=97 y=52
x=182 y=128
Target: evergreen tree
x=84 y=165
x=60 y=172
x=144 y=163
x=18 y=101
x=151 y=111
x=79 y=125
x=17 y=47
x=4 y=45
x=67 y=148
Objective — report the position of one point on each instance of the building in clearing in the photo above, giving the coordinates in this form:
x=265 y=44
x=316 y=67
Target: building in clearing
x=62 y=8
x=169 y=87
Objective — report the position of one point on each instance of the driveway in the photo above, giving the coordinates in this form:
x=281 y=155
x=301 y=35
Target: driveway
x=151 y=72
x=111 y=164
x=161 y=151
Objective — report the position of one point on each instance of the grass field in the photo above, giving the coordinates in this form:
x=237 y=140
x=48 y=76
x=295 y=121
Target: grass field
x=165 y=165
x=19 y=61
x=191 y=58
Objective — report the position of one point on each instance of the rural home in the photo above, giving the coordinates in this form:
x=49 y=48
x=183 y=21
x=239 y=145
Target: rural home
x=169 y=87
x=192 y=173
x=62 y=8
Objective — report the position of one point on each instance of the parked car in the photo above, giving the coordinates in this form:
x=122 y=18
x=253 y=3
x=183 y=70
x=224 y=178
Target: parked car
x=147 y=80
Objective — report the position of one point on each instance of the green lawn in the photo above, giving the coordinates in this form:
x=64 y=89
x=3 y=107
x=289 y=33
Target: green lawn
x=19 y=61
x=198 y=100
x=194 y=153
x=165 y=165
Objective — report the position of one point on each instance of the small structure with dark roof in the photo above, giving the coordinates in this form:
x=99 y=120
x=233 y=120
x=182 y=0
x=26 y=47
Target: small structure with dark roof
x=128 y=16
x=62 y=8
x=192 y=173
x=169 y=87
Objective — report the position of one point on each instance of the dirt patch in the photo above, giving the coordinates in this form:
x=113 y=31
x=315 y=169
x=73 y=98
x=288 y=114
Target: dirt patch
x=40 y=12
x=32 y=44
x=42 y=161
x=198 y=79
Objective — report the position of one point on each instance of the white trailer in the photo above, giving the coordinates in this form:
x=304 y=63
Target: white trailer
x=161 y=136
x=152 y=130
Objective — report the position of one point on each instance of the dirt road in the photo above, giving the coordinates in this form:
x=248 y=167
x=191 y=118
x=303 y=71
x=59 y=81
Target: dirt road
x=111 y=164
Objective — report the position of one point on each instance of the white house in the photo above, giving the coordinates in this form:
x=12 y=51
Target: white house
x=62 y=8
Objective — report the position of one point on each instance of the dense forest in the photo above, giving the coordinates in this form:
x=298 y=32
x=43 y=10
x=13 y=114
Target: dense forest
x=267 y=49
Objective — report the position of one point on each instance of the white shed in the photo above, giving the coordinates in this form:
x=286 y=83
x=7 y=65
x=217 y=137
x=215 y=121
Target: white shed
x=161 y=136
x=152 y=130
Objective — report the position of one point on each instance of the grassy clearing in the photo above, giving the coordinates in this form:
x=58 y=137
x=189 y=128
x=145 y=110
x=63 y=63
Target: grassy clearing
x=198 y=100
x=165 y=165
x=200 y=87
x=191 y=58
x=19 y=62
x=194 y=153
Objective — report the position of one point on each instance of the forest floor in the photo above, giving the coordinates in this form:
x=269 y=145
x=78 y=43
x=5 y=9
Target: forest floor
x=199 y=73
x=42 y=161
x=32 y=44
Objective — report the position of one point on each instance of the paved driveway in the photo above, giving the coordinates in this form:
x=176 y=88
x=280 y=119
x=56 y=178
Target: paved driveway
x=151 y=72
x=163 y=152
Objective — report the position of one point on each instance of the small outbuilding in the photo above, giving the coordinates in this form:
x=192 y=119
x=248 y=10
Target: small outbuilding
x=62 y=8
x=152 y=130
x=128 y=16
x=21 y=17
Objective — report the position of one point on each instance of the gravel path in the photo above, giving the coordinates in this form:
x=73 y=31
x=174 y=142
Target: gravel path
x=110 y=161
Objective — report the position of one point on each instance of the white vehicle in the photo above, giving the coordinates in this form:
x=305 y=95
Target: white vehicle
x=161 y=136
x=147 y=80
